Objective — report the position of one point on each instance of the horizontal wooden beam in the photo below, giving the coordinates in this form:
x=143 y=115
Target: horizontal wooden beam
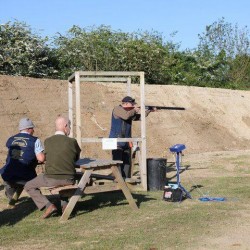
x=107 y=187
x=110 y=73
x=118 y=139
x=103 y=79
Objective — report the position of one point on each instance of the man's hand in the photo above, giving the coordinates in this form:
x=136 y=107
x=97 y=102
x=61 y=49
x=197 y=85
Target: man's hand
x=137 y=109
x=153 y=109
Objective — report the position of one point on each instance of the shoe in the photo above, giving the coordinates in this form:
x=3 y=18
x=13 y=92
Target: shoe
x=12 y=202
x=49 y=211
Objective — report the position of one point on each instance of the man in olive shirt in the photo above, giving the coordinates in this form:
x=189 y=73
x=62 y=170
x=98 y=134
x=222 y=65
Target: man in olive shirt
x=61 y=153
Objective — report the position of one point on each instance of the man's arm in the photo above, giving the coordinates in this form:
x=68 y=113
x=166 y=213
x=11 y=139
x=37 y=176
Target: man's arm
x=137 y=117
x=120 y=112
x=40 y=156
x=77 y=149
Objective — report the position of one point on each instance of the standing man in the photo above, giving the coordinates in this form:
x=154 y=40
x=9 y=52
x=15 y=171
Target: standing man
x=121 y=127
x=61 y=153
x=24 y=153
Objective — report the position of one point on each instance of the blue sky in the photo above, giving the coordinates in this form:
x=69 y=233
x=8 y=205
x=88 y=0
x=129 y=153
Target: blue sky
x=188 y=17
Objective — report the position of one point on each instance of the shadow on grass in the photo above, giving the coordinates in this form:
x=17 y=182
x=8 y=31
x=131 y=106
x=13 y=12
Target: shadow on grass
x=26 y=206
x=171 y=167
x=195 y=187
x=183 y=169
x=23 y=208
x=108 y=200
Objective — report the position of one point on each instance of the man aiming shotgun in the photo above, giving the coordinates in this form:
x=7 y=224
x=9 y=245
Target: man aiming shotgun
x=121 y=127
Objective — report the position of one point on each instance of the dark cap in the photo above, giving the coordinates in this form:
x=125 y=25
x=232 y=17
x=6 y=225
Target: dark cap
x=129 y=99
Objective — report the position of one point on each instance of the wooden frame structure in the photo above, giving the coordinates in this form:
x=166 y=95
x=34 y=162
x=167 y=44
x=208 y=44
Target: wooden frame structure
x=108 y=76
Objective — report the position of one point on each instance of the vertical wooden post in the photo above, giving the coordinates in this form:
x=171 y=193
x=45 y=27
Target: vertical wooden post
x=129 y=86
x=70 y=106
x=143 y=168
x=78 y=109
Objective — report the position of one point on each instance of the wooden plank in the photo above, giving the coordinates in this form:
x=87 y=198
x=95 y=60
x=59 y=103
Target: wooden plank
x=96 y=166
x=98 y=139
x=69 y=191
x=107 y=187
x=143 y=166
x=58 y=189
x=132 y=180
x=95 y=163
x=124 y=187
x=70 y=105
x=101 y=177
x=129 y=86
x=103 y=79
x=78 y=193
x=110 y=73
x=78 y=109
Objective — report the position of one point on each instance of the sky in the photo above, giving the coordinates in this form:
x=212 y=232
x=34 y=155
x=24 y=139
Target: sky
x=186 y=17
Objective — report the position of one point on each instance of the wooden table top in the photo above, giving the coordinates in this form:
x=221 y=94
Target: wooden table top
x=92 y=163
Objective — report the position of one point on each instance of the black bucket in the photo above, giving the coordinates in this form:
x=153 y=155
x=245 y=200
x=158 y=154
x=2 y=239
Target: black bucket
x=156 y=173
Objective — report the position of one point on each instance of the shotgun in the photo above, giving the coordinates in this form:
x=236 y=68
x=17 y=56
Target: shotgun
x=148 y=107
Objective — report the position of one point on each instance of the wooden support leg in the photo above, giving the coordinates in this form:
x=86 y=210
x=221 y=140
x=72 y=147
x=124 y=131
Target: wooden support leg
x=78 y=193
x=123 y=187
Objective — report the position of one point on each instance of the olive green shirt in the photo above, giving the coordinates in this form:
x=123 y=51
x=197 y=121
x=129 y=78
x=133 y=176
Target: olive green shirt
x=61 y=154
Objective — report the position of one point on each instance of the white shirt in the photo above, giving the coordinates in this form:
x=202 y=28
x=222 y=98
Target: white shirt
x=59 y=133
x=38 y=144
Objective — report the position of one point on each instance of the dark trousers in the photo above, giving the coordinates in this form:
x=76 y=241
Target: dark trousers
x=33 y=188
x=125 y=156
x=13 y=190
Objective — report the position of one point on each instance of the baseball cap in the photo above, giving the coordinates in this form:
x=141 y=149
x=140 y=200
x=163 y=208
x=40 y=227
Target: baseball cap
x=25 y=123
x=129 y=99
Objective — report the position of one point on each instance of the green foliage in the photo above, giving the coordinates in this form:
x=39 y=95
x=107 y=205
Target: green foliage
x=226 y=48
x=103 y=49
x=222 y=35
x=83 y=49
x=239 y=73
x=24 y=53
x=221 y=60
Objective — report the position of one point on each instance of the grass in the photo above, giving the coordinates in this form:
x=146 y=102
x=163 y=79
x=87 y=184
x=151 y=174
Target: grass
x=106 y=221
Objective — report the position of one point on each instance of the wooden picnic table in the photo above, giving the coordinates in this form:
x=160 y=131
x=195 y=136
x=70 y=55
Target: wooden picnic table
x=88 y=166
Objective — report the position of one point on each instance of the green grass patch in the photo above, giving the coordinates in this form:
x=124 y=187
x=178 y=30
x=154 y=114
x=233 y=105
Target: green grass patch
x=106 y=221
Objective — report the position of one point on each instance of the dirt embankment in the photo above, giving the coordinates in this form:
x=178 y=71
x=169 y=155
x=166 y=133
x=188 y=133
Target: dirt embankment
x=214 y=119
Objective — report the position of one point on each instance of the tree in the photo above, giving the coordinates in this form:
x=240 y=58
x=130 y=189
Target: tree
x=228 y=47
x=24 y=53
x=88 y=49
x=103 y=49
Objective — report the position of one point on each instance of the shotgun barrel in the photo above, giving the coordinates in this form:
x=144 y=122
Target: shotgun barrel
x=163 y=107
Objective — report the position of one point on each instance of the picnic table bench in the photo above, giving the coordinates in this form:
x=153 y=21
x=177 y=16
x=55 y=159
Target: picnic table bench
x=87 y=167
